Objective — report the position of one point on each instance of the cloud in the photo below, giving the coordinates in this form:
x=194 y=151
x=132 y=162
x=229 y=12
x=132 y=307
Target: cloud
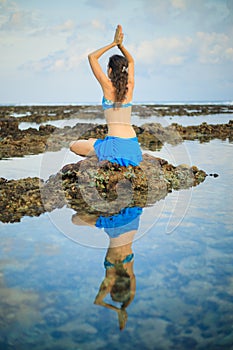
x=96 y=24
x=214 y=47
x=65 y=26
x=6 y=5
x=186 y=16
x=156 y=10
x=63 y=60
x=229 y=53
x=67 y=54
x=103 y=5
x=163 y=51
x=179 y=4
x=201 y=48
x=14 y=19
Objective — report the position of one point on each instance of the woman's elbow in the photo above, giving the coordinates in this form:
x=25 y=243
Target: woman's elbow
x=91 y=60
x=90 y=57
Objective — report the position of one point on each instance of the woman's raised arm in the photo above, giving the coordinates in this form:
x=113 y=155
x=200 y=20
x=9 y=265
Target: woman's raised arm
x=94 y=56
x=128 y=56
x=130 y=60
x=96 y=67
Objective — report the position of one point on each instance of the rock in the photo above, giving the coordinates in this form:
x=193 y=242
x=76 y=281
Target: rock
x=8 y=126
x=17 y=143
x=19 y=198
x=214 y=175
x=89 y=186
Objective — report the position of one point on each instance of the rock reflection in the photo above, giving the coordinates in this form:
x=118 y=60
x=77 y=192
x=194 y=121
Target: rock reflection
x=119 y=281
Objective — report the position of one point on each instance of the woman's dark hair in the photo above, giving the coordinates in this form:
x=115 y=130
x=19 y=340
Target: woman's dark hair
x=119 y=76
x=121 y=289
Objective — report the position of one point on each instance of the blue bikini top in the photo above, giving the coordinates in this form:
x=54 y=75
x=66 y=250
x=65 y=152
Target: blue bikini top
x=127 y=259
x=107 y=104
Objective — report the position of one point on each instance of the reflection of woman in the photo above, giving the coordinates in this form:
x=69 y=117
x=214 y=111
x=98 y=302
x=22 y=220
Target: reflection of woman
x=119 y=279
x=121 y=145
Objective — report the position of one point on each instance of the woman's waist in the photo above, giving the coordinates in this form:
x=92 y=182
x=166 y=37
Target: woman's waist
x=121 y=130
x=122 y=116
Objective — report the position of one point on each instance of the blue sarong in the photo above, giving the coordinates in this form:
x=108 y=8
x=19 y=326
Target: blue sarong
x=123 y=151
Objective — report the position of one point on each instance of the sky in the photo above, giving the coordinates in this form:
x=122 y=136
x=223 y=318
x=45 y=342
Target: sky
x=183 y=49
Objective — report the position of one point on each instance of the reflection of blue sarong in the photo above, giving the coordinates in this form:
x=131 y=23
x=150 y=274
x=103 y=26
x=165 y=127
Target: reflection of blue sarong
x=125 y=221
x=123 y=151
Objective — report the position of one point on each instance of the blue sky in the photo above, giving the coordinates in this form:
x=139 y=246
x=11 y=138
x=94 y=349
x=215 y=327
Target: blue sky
x=183 y=49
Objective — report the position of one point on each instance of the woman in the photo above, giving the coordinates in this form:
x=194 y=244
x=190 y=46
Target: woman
x=121 y=144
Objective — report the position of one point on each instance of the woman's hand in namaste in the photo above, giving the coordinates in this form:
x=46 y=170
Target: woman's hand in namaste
x=118 y=38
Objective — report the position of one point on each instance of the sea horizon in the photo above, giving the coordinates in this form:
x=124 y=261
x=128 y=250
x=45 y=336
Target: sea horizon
x=94 y=103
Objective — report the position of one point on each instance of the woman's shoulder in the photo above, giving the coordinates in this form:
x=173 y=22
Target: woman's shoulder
x=109 y=91
x=110 y=98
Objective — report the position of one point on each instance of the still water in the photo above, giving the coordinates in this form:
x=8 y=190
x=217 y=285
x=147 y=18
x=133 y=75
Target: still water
x=55 y=276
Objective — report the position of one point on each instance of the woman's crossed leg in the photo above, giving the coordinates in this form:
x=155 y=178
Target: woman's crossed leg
x=83 y=147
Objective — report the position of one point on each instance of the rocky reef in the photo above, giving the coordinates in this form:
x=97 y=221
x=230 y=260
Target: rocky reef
x=152 y=136
x=89 y=186
x=189 y=110
x=40 y=114
x=15 y=142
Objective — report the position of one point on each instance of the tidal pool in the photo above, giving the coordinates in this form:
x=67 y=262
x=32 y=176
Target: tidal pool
x=52 y=271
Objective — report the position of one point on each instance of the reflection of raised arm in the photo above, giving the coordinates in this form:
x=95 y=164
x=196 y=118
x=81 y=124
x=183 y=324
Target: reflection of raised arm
x=132 y=291
x=121 y=312
x=105 y=288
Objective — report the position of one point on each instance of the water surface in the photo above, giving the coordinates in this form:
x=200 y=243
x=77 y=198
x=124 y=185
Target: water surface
x=183 y=265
